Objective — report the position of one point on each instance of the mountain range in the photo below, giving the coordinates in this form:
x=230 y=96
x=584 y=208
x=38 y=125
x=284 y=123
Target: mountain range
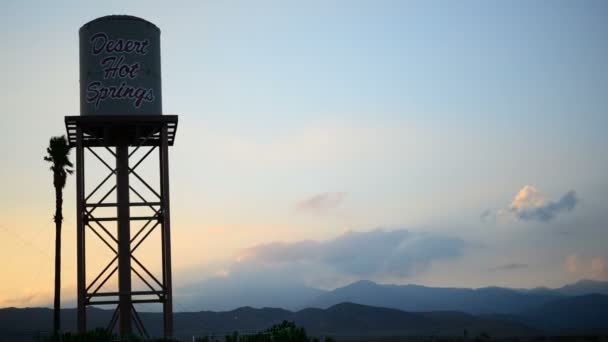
x=367 y=309
x=580 y=315
x=220 y=296
x=487 y=300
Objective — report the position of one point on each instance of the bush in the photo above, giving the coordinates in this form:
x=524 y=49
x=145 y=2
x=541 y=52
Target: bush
x=283 y=332
x=288 y=332
x=483 y=337
x=97 y=335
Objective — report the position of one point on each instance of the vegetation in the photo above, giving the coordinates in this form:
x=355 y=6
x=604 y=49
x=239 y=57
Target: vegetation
x=483 y=337
x=284 y=332
x=97 y=335
x=58 y=154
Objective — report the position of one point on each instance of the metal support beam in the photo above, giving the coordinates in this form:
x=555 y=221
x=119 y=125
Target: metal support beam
x=166 y=232
x=80 y=235
x=124 y=239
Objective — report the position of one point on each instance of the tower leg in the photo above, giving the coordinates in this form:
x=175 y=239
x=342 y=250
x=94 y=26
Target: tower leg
x=124 y=239
x=166 y=233
x=80 y=234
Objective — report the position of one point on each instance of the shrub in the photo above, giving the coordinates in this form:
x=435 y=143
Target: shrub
x=97 y=335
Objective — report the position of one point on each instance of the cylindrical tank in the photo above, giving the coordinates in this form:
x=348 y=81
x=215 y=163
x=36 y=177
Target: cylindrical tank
x=120 y=67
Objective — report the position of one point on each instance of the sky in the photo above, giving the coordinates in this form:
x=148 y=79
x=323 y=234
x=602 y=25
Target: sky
x=439 y=143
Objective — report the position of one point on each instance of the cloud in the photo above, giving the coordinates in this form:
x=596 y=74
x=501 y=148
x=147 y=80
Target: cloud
x=595 y=267
x=509 y=267
x=363 y=254
x=599 y=270
x=572 y=263
x=487 y=215
x=289 y=274
x=530 y=205
x=322 y=202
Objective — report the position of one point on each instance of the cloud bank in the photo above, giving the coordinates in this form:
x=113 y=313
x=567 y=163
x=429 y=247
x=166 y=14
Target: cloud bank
x=290 y=273
x=363 y=254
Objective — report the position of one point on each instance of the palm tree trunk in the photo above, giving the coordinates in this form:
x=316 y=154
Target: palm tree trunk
x=58 y=220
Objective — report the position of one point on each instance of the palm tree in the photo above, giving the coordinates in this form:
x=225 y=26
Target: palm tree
x=58 y=154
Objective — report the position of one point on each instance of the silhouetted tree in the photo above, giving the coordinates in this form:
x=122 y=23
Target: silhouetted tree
x=483 y=337
x=58 y=154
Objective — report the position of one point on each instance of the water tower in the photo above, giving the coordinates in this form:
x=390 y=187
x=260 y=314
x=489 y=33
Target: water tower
x=120 y=125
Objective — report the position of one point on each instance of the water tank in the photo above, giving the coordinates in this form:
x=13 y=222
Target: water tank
x=120 y=67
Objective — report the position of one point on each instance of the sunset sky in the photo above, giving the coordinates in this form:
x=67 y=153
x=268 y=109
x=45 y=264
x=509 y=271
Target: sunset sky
x=442 y=143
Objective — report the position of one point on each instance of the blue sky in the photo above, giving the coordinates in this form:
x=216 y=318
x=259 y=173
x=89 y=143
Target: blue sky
x=308 y=120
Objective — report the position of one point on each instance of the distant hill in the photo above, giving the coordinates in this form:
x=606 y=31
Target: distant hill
x=421 y=298
x=344 y=319
x=354 y=319
x=581 y=314
x=584 y=287
x=348 y=319
x=222 y=295
x=22 y=324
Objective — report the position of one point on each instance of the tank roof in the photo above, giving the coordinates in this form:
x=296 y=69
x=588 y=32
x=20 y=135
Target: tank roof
x=119 y=17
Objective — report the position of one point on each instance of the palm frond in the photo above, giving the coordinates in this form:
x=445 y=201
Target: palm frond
x=58 y=154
